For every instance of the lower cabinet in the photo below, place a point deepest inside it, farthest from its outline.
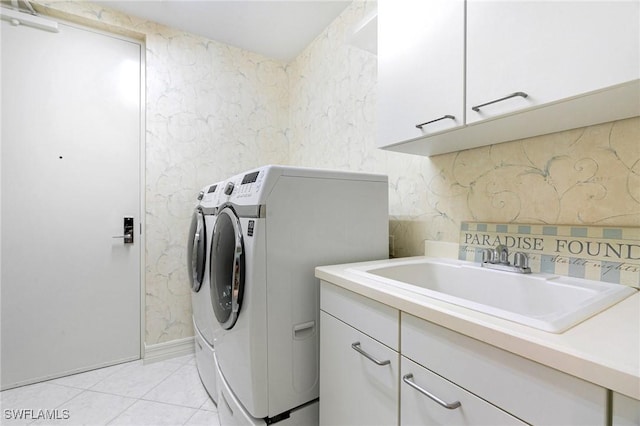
(532, 392)
(358, 377)
(428, 399)
(626, 411)
(380, 366)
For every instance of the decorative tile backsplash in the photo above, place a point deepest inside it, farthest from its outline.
(596, 253)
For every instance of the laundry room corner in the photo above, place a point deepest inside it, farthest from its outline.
(333, 124)
(320, 212)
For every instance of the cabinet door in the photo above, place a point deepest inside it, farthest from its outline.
(626, 411)
(353, 389)
(420, 410)
(550, 50)
(420, 68)
(517, 385)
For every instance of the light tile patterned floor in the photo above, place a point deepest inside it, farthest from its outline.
(163, 393)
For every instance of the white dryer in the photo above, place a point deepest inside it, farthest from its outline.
(204, 322)
(275, 224)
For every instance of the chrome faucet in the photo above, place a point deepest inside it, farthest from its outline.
(498, 258)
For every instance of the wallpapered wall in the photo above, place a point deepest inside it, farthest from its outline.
(214, 110)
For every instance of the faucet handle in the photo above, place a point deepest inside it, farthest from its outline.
(502, 254)
(520, 260)
(490, 255)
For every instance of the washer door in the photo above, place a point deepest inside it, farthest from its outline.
(196, 250)
(227, 268)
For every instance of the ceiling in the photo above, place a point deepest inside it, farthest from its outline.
(278, 29)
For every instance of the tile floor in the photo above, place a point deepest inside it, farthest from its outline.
(163, 393)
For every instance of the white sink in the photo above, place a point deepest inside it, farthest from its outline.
(547, 302)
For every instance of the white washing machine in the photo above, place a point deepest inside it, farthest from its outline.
(275, 224)
(204, 321)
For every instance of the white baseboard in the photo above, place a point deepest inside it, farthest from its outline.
(168, 350)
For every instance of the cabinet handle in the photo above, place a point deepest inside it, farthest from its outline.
(513, 95)
(444, 117)
(356, 347)
(452, 406)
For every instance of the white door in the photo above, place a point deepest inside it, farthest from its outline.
(71, 131)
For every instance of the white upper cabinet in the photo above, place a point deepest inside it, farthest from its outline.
(505, 70)
(548, 50)
(420, 68)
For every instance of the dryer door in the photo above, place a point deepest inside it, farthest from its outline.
(227, 268)
(196, 250)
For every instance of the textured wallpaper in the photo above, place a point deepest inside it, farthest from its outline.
(213, 110)
(587, 176)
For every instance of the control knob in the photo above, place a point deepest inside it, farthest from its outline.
(228, 189)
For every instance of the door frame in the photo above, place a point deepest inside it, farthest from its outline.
(143, 172)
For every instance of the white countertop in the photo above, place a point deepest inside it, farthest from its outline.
(604, 349)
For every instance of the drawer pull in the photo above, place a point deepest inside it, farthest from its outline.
(452, 406)
(513, 95)
(444, 117)
(356, 347)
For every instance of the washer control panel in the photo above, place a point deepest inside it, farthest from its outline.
(209, 195)
(245, 188)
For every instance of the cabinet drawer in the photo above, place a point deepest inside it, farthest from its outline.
(626, 411)
(354, 390)
(528, 390)
(371, 317)
(418, 409)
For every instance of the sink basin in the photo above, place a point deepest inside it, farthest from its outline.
(547, 302)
